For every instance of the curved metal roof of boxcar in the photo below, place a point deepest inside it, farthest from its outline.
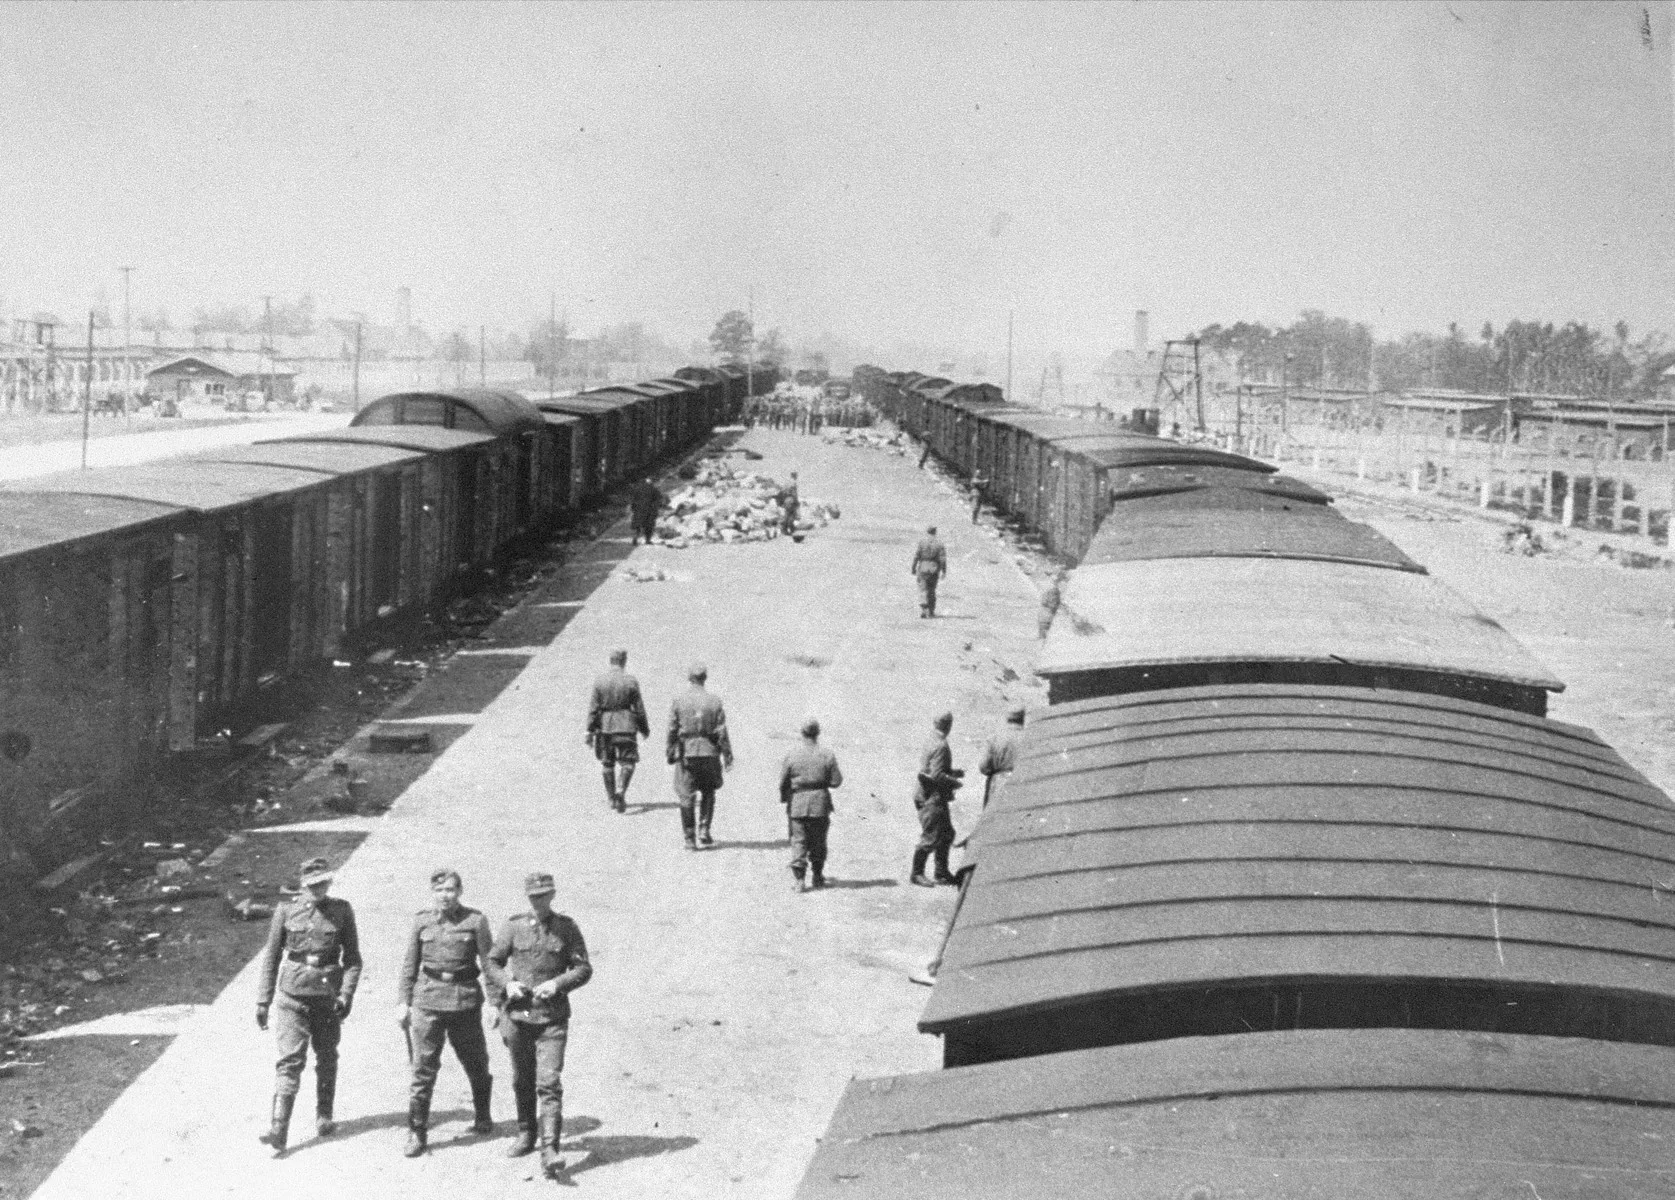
(1398, 1114)
(429, 439)
(605, 399)
(1128, 484)
(927, 385)
(1164, 527)
(32, 521)
(966, 395)
(701, 374)
(1204, 837)
(325, 458)
(196, 484)
(503, 412)
(1253, 610)
(1120, 448)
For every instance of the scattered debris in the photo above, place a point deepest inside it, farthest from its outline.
(639, 574)
(869, 439)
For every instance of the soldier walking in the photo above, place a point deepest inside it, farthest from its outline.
(930, 564)
(310, 967)
(806, 780)
(790, 501)
(645, 502)
(1001, 755)
(698, 748)
(440, 1000)
(932, 793)
(543, 959)
(1051, 597)
(616, 720)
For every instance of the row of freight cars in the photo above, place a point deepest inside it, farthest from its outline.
(142, 607)
(1295, 892)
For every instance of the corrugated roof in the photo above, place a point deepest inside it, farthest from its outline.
(1385, 1113)
(428, 438)
(1206, 837)
(203, 486)
(1163, 527)
(1255, 610)
(33, 521)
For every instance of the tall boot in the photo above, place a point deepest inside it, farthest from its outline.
(524, 1143)
(797, 879)
(418, 1123)
(481, 1090)
(706, 812)
(920, 854)
(325, 1089)
(279, 1127)
(686, 828)
(611, 797)
(942, 873)
(625, 773)
(552, 1127)
(817, 875)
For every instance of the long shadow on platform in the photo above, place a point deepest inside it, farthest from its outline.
(861, 883)
(373, 1122)
(603, 1151)
(781, 844)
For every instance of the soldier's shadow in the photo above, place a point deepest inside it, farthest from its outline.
(372, 1122)
(779, 844)
(601, 1151)
(861, 883)
(637, 809)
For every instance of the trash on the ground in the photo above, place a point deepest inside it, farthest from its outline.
(639, 574)
(173, 868)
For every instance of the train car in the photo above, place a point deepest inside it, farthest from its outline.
(1398, 1114)
(1208, 861)
(609, 440)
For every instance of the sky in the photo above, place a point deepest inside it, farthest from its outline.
(886, 173)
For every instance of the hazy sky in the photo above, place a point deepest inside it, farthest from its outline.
(874, 170)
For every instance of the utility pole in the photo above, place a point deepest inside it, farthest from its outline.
(750, 343)
(87, 391)
(482, 356)
(267, 352)
(1010, 313)
(552, 349)
(127, 345)
(356, 394)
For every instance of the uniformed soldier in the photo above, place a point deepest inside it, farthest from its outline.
(544, 959)
(979, 482)
(440, 1000)
(313, 961)
(1000, 755)
(645, 502)
(1050, 599)
(932, 793)
(806, 780)
(698, 748)
(930, 564)
(790, 500)
(616, 720)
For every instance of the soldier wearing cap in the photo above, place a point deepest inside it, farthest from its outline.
(932, 793)
(930, 564)
(806, 779)
(790, 500)
(440, 999)
(616, 720)
(543, 959)
(645, 501)
(698, 748)
(1001, 755)
(310, 967)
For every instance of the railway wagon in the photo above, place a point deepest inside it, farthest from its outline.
(1207, 861)
(606, 439)
(1243, 584)
(714, 387)
(1313, 1114)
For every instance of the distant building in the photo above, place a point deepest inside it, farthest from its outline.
(220, 378)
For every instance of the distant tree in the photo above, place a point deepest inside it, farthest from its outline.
(772, 348)
(222, 318)
(295, 319)
(153, 322)
(101, 309)
(730, 339)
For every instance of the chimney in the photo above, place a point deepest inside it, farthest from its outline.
(1140, 331)
(403, 309)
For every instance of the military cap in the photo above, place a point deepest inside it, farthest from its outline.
(442, 874)
(930, 529)
(1015, 714)
(619, 656)
(697, 671)
(811, 728)
(314, 870)
(945, 721)
(538, 883)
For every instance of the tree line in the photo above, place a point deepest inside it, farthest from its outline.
(1521, 356)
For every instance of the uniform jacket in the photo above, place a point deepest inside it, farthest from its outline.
(616, 707)
(447, 946)
(312, 950)
(930, 558)
(1001, 754)
(698, 727)
(806, 780)
(936, 780)
(645, 500)
(532, 952)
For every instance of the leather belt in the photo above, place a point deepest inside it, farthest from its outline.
(463, 975)
(311, 959)
(810, 787)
